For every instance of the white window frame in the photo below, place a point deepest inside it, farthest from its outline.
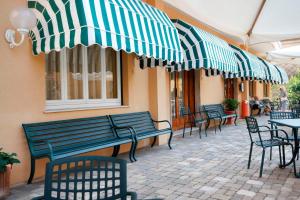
(66, 104)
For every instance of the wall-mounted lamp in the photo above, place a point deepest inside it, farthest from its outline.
(23, 20)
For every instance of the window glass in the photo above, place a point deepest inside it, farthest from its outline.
(53, 80)
(111, 73)
(74, 73)
(94, 72)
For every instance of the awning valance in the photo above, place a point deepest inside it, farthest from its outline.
(283, 75)
(249, 66)
(200, 50)
(132, 26)
(273, 75)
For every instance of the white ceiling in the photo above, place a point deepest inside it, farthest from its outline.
(279, 20)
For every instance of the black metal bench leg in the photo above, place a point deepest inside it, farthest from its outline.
(224, 121)
(170, 139)
(191, 128)
(220, 124)
(131, 152)
(250, 155)
(262, 163)
(215, 126)
(153, 143)
(116, 151)
(207, 125)
(134, 150)
(200, 127)
(32, 170)
(235, 120)
(205, 133)
(183, 130)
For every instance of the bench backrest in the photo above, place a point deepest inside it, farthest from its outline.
(140, 121)
(214, 107)
(67, 134)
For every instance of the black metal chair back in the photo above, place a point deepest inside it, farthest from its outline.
(86, 177)
(253, 128)
(296, 111)
(282, 115)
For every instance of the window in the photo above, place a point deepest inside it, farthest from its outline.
(82, 78)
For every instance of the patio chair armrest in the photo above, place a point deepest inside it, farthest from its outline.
(265, 127)
(163, 121)
(286, 136)
(132, 194)
(129, 128)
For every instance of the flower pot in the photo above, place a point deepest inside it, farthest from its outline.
(230, 120)
(5, 182)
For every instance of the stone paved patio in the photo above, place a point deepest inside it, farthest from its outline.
(213, 167)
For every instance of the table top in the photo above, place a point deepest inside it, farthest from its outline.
(293, 123)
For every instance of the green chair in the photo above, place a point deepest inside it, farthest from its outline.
(86, 177)
(269, 141)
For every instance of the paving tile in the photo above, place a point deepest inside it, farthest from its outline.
(246, 193)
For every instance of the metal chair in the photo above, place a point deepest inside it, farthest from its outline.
(192, 119)
(283, 115)
(86, 177)
(255, 133)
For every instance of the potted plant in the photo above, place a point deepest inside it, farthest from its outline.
(230, 108)
(6, 162)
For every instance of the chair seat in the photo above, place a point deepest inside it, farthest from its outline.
(271, 143)
(200, 121)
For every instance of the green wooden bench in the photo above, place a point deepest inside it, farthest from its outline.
(66, 138)
(143, 126)
(217, 112)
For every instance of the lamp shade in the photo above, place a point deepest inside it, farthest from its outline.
(23, 18)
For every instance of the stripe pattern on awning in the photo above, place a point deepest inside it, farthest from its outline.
(249, 66)
(283, 75)
(273, 75)
(132, 26)
(200, 50)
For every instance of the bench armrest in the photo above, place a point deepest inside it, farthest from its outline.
(132, 194)
(129, 128)
(50, 146)
(163, 121)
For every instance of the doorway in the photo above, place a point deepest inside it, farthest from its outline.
(182, 94)
(229, 88)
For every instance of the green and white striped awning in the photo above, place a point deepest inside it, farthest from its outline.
(249, 66)
(273, 75)
(283, 75)
(132, 26)
(200, 50)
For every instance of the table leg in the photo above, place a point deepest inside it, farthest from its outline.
(295, 152)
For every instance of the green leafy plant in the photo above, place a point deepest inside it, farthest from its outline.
(6, 159)
(231, 104)
(293, 89)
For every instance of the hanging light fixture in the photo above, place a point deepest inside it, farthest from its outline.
(23, 20)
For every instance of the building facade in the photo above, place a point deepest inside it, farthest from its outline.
(34, 88)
